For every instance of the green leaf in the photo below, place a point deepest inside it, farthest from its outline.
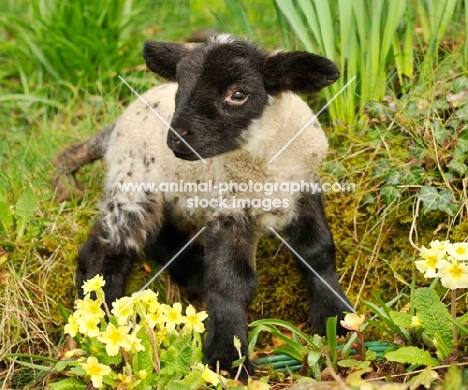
(435, 200)
(424, 379)
(457, 166)
(176, 359)
(173, 385)
(238, 362)
(348, 363)
(63, 312)
(433, 315)
(370, 355)
(463, 320)
(78, 371)
(288, 351)
(401, 319)
(453, 378)
(194, 380)
(63, 364)
(143, 360)
(331, 337)
(390, 193)
(443, 348)
(25, 207)
(68, 384)
(462, 142)
(287, 325)
(6, 217)
(411, 355)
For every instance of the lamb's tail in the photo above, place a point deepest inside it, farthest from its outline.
(75, 157)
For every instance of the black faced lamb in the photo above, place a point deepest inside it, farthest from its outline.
(231, 108)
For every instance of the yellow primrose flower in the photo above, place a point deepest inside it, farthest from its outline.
(142, 374)
(95, 370)
(72, 326)
(353, 321)
(134, 341)
(125, 379)
(114, 338)
(88, 325)
(74, 352)
(209, 376)
(161, 335)
(458, 251)
(441, 246)
(454, 275)
(433, 260)
(174, 316)
(90, 306)
(122, 309)
(148, 297)
(93, 284)
(415, 322)
(155, 318)
(194, 320)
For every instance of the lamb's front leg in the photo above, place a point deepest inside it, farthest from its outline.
(230, 284)
(117, 239)
(311, 238)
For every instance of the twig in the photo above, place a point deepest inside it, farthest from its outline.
(453, 310)
(413, 225)
(414, 372)
(157, 363)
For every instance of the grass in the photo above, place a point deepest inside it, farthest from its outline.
(52, 93)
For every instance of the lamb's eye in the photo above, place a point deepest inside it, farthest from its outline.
(239, 96)
(236, 98)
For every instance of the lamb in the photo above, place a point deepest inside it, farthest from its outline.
(232, 109)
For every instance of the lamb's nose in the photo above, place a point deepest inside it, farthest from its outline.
(175, 138)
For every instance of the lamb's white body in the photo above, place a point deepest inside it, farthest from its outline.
(138, 153)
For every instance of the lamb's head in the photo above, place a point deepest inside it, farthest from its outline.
(224, 84)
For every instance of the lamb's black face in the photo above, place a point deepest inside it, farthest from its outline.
(221, 90)
(224, 84)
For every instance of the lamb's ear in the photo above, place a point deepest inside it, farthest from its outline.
(298, 71)
(162, 57)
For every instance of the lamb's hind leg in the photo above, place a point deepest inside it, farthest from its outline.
(75, 157)
(311, 238)
(116, 241)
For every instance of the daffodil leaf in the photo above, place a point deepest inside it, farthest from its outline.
(68, 384)
(411, 355)
(433, 315)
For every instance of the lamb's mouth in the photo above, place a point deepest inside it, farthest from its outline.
(188, 156)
